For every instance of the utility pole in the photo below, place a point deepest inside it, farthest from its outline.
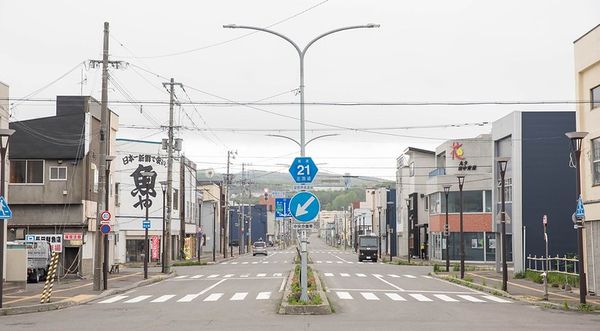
(242, 221)
(170, 146)
(230, 155)
(182, 169)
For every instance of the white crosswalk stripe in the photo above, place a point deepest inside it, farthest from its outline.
(213, 276)
(277, 274)
(361, 275)
(329, 262)
(395, 297)
(188, 298)
(265, 262)
(224, 262)
(344, 275)
(114, 299)
(228, 276)
(239, 296)
(428, 277)
(369, 296)
(234, 262)
(410, 276)
(197, 276)
(246, 262)
(319, 261)
(445, 298)
(471, 298)
(164, 298)
(328, 274)
(263, 296)
(245, 275)
(394, 276)
(261, 275)
(496, 299)
(340, 262)
(180, 277)
(420, 297)
(254, 262)
(138, 299)
(214, 297)
(344, 295)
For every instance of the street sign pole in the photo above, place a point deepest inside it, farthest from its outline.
(545, 223)
(304, 267)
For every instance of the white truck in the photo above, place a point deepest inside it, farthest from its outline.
(39, 254)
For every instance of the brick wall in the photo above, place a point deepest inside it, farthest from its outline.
(472, 222)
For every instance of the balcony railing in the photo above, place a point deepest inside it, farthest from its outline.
(437, 172)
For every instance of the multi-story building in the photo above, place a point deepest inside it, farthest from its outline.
(471, 157)
(587, 75)
(53, 180)
(210, 220)
(412, 202)
(538, 182)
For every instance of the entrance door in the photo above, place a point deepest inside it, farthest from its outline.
(71, 261)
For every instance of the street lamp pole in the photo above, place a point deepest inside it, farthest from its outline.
(447, 229)
(409, 227)
(3, 148)
(576, 140)
(147, 180)
(301, 54)
(502, 164)
(163, 186)
(379, 226)
(461, 182)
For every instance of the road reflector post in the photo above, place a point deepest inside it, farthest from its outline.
(47, 292)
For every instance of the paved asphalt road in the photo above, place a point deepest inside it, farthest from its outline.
(244, 294)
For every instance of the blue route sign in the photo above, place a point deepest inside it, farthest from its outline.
(305, 206)
(303, 170)
(579, 211)
(282, 207)
(5, 211)
(146, 224)
(105, 228)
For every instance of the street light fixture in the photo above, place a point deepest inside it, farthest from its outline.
(301, 54)
(447, 229)
(576, 141)
(503, 164)
(4, 137)
(163, 186)
(461, 182)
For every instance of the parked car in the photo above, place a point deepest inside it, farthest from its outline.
(259, 247)
(39, 254)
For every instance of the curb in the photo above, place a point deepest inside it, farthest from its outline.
(496, 292)
(69, 302)
(286, 309)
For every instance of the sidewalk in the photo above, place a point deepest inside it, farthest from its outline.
(71, 291)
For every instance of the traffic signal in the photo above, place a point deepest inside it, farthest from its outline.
(266, 194)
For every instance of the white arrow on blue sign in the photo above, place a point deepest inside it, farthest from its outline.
(305, 206)
(303, 170)
(580, 212)
(146, 224)
(5, 211)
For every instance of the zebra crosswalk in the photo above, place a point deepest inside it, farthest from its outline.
(343, 262)
(419, 297)
(219, 276)
(212, 297)
(361, 275)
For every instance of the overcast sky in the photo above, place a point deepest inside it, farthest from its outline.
(424, 51)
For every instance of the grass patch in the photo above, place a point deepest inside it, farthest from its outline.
(468, 279)
(555, 279)
(565, 305)
(313, 296)
(436, 268)
(188, 263)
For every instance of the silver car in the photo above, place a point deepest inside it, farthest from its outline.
(259, 247)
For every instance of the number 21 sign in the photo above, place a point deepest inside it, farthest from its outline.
(303, 170)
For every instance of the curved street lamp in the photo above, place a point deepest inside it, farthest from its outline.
(301, 54)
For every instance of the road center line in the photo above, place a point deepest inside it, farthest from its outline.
(390, 284)
(339, 258)
(282, 284)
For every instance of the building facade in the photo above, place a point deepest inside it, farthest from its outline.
(472, 158)
(587, 75)
(53, 182)
(538, 182)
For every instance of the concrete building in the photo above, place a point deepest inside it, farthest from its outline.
(538, 182)
(210, 220)
(587, 75)
(471, 157)
(133, 157)
(412, 201)
(54, 180)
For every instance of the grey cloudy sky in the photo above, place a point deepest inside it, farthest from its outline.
(425, 51)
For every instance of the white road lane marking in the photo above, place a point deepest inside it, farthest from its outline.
(369, 296)
(395, 297)
(410, 276)
(329, 262)
(340, 262)
(245, 262)
(114, 299)
(213, 276)
(138, 299)
(277, 274)
(245, 275)
(319, 261)
(163, 298)
(361, 275)
(239, 296)
(445, 298)
(496, 299)
(180, 277)
(197, 276)
(224, 262)
(254, 262)
(234, 262)
(261, 275)
(214, 297)
(228, 276)
(420, 297)
(263, 296)
(393, 276)
(190, 297)
(265, 262)
(282, 284)
(428, 277)
(345, 275)
(471, 298)
(328, 274)
(344, 295)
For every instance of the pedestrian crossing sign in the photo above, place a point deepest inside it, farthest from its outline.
(579, 211)
(5, 211)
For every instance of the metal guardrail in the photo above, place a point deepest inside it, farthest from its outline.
(558, 264)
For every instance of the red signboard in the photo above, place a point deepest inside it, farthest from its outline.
(73, 236)
(155, 247)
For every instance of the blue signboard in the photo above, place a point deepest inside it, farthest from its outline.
(580, 212)
(305, 206)
(105, 228)
(303, 170)
(5, 211)
(282, 207)
(146, 224)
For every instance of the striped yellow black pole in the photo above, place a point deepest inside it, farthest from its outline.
(47, 292)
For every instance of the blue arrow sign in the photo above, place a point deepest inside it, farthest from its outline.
(5, 211)
(303, 170)
(146, 224)
(305, 206)
(580, 212)
(282, 207)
